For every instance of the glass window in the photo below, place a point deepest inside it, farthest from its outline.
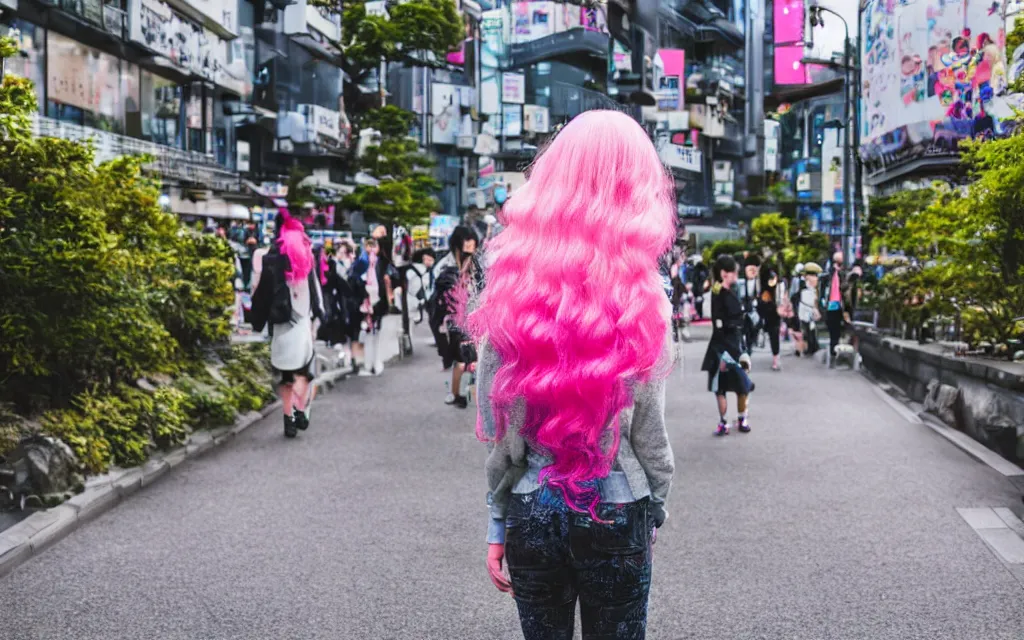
(194, 118)
(31, 63)
(161, 110)
(85, 85)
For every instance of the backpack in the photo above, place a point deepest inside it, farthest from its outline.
(272, 300)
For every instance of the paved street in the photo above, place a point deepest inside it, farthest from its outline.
(834, 519)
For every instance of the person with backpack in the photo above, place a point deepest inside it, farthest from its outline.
(460, 269)
(288, 298)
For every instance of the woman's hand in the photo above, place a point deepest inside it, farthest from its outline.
(495, 562)
(722, 366)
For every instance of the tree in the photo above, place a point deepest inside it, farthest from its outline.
(416, 33)
(405, 192)
(967, 245)
(770, 232)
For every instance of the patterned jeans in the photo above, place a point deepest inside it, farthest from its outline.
(556, 555)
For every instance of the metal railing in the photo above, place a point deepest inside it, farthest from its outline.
(175, 164)
(568, 101)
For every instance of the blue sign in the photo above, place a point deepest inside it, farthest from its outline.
(500, 194)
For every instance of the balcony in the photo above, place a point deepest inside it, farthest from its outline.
(190, 167)
(568, 101)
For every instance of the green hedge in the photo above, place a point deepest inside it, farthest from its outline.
(99, 287)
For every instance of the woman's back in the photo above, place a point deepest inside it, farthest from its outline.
(575, 349)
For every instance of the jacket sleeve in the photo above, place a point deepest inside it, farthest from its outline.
(316, 297)
(649, 438)
(501, 469)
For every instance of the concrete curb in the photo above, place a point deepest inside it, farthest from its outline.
(102, 493)
(915, 414)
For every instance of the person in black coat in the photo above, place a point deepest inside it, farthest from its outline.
(724, 361)
(768, 309)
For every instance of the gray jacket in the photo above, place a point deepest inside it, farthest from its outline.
(643, 467)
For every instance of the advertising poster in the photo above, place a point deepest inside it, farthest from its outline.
(536, 119)
(670, 79)
(832, 167)
(533, 20)
(933, 72)
(771, 145)
(513, 88)
(512, 119)
(444, 111)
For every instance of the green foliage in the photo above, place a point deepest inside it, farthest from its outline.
(416, 32)
(967, 244)
(97, 284)
(406, 191)
(724, 247)
(247, 369)
(770, 232)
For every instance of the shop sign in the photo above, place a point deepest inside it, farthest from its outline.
(243, 157)
(680, 157)
(321, 121)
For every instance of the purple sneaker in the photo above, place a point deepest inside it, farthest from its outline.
(743, 424)
(723, 428)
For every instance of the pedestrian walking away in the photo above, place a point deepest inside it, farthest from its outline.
(575, 351)
(768, 309)
(725, 361)
(288, 297)
(459, 278)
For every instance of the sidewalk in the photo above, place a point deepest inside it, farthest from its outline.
(835, 519)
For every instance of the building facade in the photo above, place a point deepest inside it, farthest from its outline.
(210, 89)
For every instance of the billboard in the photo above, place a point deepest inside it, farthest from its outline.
(444, 109)
(536, 119)
(513, 88)
(934, 72)
(670, 79)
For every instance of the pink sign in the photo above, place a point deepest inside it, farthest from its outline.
(788, 68)
(789, 21)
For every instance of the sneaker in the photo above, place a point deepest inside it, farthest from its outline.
(378, 368)
(776, 367)
(462, 402)
(449, 399)
(289, 427)
(743, 425)
(723, 428)
(301, 419)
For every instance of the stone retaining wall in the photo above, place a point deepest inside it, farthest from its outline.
(985, 399)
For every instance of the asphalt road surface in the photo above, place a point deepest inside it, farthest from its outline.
(835, 519)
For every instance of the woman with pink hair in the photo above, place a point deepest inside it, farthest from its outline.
(575, 347)
(288, 297)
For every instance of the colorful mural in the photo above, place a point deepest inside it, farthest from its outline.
(934, 72)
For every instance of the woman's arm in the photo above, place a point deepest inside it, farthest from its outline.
(649, 438)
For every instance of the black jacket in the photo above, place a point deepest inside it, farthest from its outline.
(727, 333)
(272, 302)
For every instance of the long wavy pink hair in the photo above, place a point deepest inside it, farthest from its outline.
(294, 243)
(573, 302)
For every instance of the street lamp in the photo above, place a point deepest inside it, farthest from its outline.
(817, 19)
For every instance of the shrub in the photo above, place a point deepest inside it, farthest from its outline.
(730, 247)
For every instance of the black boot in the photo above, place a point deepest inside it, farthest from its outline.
(289, 427)
(301, 420)
(461, 402)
